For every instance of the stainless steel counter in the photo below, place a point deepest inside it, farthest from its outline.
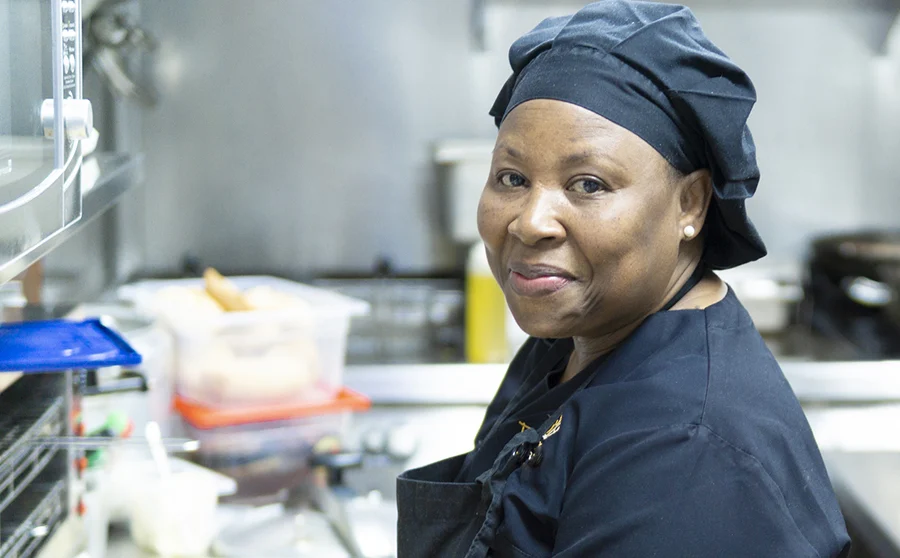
(441, 384)
(868, 488)
(438, 432)
(853, 408)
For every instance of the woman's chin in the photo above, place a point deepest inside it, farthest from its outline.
(543, 327)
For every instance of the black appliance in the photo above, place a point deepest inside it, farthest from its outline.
(852, 293)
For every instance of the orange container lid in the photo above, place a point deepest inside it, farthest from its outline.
(204, 418)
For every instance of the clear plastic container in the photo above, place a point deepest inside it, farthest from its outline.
(267, 449)
(260, 357)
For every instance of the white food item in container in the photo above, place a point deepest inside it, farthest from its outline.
(175, 515)
(223, 374)
(269, 353)
(128, 468)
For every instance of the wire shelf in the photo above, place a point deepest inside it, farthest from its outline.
(47, 505)
(21, 460)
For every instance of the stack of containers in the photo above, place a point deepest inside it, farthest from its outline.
(259, 389)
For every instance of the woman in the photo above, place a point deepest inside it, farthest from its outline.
(645, 416)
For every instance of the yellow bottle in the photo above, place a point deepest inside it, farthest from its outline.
(485, 312)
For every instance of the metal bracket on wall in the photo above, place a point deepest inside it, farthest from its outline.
(477, 24)
(887, 28)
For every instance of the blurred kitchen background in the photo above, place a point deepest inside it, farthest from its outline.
(344, 144)
(337, 140)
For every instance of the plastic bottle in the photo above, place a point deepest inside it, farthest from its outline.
(485, 312)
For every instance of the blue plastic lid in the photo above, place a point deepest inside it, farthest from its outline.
(54, 345)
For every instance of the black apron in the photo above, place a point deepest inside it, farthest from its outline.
(438, 517)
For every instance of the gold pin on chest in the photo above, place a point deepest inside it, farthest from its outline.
(554, 428)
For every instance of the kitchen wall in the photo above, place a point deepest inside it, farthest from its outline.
(294, 136)
(826, 140)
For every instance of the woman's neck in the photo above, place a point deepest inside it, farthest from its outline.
(707, 292)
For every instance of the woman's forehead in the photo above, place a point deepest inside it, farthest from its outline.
(567, 134)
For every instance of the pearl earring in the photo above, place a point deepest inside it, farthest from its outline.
(689, 232)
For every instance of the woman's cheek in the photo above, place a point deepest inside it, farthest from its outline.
(492, 227)
(489, 220)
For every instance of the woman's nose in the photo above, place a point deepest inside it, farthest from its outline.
(538, 219)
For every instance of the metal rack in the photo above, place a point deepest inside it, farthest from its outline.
(34, 476)
(21, 460)
(47, 506)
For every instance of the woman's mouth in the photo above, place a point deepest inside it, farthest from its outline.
(537, 280)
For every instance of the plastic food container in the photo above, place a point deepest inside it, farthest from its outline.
(267, 449)
(261, 357)
(176, 515)
(129, 468)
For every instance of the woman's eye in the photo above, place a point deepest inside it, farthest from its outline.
(588, 186)
(512, 180)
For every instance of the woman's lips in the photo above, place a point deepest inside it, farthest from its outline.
(537, 281)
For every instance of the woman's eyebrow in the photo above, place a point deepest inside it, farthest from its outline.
(591, 156)
(576, 158)
(502, 147)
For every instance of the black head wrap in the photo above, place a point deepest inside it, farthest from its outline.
(649, 68)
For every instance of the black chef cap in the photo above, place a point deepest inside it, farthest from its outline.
(649, 68)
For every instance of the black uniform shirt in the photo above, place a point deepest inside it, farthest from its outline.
(686, 441)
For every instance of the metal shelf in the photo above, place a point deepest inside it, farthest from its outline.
(115, 174)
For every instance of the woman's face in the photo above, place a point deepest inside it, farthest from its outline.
(583, 221)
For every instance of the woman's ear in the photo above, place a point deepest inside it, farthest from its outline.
(696, 191)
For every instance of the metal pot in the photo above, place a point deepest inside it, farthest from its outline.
(867, 266)
(852, 290)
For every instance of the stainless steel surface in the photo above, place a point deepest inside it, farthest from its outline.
(41, 67)
(869, 493)
(30, 221)
(276, 531)
(254, 533)
(322, 168)
(333, 509)
(430, 384)
(411, 320)
(308, 126)
(444, 424)
(443, 384)
(175, 445)
(844, 381)
(117, 173)
(441, 431)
